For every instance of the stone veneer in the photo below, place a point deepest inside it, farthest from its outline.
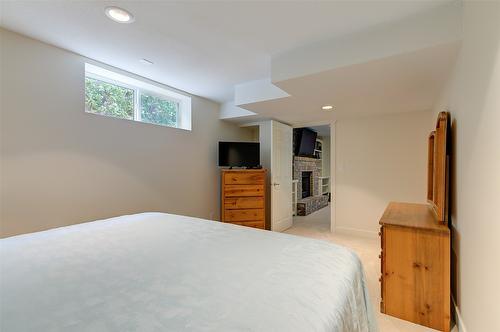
(310, 204)
(315, 202)
(306, 164)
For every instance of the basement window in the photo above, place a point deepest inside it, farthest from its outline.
(125, 97)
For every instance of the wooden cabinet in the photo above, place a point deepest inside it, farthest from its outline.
(244, 197)
(415, 265)
(416, 244)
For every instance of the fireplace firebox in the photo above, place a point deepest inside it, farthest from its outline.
(306, 184)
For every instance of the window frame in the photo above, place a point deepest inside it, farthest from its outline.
(141, 86)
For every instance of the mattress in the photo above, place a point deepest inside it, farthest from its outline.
(163, 272)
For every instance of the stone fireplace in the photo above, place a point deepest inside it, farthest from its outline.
(307, 172)
(310, 166)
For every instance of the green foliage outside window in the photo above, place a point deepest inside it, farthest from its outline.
(109, 99)
(159, 111)
(113, 100)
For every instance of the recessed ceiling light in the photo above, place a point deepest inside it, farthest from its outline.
(119, 15)
(327, 107)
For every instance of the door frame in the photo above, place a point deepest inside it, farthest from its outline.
(333, 177)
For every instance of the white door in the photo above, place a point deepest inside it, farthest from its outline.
(281, 177)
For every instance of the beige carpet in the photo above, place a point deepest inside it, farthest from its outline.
(317, 225)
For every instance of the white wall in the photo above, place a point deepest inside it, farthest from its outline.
(62, 166)
(378, 160)
(256, 91)
(473, 99)
(228, 111)
(254, 132)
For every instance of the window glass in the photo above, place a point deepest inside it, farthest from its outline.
(159, 110)
(108, 99)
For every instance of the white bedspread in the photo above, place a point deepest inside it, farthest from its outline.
(162, 272)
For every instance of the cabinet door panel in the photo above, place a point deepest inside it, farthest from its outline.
(415, 287)
(431, 284)
(399, 275)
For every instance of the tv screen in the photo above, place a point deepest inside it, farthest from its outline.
(239, 154)
(306, 142)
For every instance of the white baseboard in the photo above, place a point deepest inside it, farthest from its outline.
(458, 317)
(356, 232)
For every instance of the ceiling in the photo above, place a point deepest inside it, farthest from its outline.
(201, 47)
(402, 83)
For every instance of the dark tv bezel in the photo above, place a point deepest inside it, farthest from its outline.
(300, 136)
(237, 166)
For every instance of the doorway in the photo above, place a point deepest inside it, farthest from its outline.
(311, 178)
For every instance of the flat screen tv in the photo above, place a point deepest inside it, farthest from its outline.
(239, 154)
(305, 142)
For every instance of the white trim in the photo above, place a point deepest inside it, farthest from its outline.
(294, 197)
(458, 318)
(314, 124)
(252, 124)
(356, 232)
(139, 86)
(90, 68)
(137, 105)
(109, 80)
(333, 179)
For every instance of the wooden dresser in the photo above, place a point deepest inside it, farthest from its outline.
(415, 265)
(244, 197)
(415, 241)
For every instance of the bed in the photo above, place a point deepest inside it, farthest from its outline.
(163, 272)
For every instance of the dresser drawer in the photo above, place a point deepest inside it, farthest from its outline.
(236, 190)
(244, 178)
(244, 215)
(254, 224)
(243, 197)
(244, 203)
